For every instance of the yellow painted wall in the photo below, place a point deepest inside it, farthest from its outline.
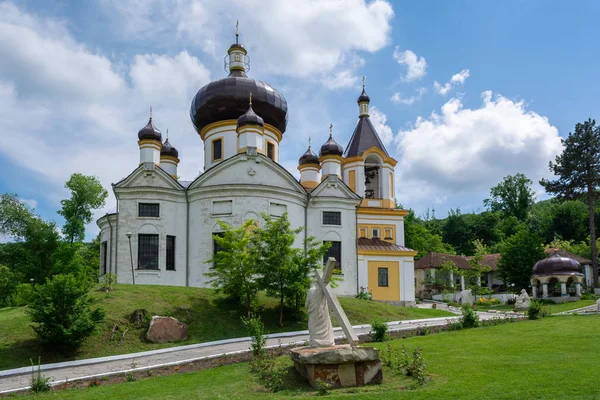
(382, 231)
(352, 180)
(390, 293)
(392, 194)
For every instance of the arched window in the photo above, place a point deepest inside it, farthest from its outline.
(372, 177)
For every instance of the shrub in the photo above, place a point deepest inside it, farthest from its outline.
(469, 318)
(416, 367)
(39, 383)
(511, 300)
(537, 310)
(23, 294)
(107, 281)
(269, 372)
(322, 388)
(403, 362)
(378, 330)
(587, 296)
(365, 294)
(62, 310)
(256, 329)
(487, 301)
(8, 285)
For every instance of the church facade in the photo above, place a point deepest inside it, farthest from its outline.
(164, 227)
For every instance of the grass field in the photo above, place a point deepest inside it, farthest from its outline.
(552, 358)
(209, 315)
(553, 308)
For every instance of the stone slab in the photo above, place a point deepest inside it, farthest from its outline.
(339, 354)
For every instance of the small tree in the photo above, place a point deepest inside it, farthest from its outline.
(513, 196)
(8, 285)
(87, 195)
(578, 171)
(519, 253)
(63, 313)
(234, 271)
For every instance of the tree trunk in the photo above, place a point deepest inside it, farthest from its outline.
(590, 199)
(281, 309)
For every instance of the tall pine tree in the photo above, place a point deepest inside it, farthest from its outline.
(578, 172)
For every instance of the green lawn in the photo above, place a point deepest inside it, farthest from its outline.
(210, 317)
(552, 358)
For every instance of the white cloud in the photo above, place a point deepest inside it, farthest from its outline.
(379, 120)
(416, 67)
(398, 99)
(463, 150)
(288, 37)
(457, 79)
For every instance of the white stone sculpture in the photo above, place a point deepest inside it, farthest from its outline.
(522, 302)
(319, 299)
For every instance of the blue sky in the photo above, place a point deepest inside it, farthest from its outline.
(462, 92)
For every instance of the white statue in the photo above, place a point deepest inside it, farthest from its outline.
(318, 300)
(319, 323)
(522, 302)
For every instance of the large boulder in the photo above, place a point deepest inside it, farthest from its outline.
(466, 297)
(166, 329)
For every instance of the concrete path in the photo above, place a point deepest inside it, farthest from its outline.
(19, 379)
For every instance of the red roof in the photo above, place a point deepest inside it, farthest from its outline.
(378, 244)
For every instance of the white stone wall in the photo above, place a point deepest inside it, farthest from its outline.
(346, 233)
(229, 135)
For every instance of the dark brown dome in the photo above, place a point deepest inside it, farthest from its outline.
(309, 158)
(169, 150)
(363, 97)
(227, 98)
(149, 132)
(556, 265)
(331, 147)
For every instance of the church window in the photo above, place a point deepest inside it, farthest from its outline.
(149, 210)
(335, 251)
(271, 151)
(103, 255)
(147, 251)
(217, 149)
(170, 253)
(375, 232)
(332, 218)
(216, 247)
(382, 277)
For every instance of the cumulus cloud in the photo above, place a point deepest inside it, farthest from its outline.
(457, 79)
(397, 97)
(296, 38)
(461, 150)
(416, 67)
(379, 120)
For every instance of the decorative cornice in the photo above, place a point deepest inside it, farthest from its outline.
(381, 211)
(404, 253)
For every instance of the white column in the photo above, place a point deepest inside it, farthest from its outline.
(490, 279)
(577, 289)
(451, 279)
(534, 292)
(563, 289)
(462, 282)
(544, 290)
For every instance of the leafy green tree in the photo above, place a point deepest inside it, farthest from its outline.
(235, 269)
(61, 309)
(519, 254)
(458, 233)
(578, 172)
(38, 238)
(419, 238)
(284, 271)
(87, 195)
(8, 285)
(513, 196)
(570, 220)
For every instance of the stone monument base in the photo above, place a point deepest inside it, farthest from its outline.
(338, 366)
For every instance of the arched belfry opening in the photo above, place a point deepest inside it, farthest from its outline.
(372, 177)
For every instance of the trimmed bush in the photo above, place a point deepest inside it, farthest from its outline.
(537, 310)
(62, 310)
(378, 330)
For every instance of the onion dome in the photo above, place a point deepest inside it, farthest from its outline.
(149, 132)
(331, 147)
(557, 265)
(364, 97)
(169, 150)
(227, 98)
(250, 117)
(309, 158)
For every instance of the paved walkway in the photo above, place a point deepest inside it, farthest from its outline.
(19, 379)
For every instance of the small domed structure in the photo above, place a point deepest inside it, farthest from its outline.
(309, 158)
(169, 150)
(149, 132)
(364, 97)
(331, 148)
(557, 276)
(250, 117)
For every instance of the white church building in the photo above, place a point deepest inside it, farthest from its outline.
(162, 232)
